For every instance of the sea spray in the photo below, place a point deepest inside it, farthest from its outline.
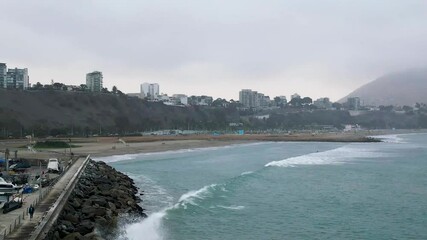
(148, 229)
(151, 227)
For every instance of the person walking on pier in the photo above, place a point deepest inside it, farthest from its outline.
(31, 211)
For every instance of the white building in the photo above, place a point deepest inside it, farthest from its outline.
(180, 99)
(94, 81)
(17, 78)
(150, 90)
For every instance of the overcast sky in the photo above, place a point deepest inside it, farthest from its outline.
(315, 48)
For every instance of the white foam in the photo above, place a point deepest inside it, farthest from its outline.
(189, 197)
(389, 138)
(116, 158)
(232, 207)
(155, 196)
(334, 156)
(246, 173)
(151, 227)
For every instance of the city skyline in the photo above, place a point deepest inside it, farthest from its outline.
(217, 48)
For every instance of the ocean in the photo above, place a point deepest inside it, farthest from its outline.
(283, 190)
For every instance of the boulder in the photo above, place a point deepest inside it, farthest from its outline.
(73, 236)
(85, 227)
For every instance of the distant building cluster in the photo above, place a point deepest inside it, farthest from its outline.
(151, 92)
(14, 78)
(323, 103)
(253, 99)
(17, 78)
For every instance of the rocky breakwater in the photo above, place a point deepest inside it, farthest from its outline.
(102, 199)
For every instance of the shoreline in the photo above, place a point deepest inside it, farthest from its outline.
(110, 146)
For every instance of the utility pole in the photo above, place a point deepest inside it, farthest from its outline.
(40, 180)
(6, 158)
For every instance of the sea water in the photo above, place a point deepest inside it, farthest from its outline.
(283, 190)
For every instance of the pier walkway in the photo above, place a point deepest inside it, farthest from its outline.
(48, 205)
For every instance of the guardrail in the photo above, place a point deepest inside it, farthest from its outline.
(52, 215)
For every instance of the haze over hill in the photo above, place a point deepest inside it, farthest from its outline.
(401, 88)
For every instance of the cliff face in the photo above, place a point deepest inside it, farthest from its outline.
(402, 88)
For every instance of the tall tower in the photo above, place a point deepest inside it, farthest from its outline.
(3, 74)
(94, 81)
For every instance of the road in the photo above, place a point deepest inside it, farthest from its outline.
(27, 226)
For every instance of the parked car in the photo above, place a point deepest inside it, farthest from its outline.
(53, 166)
(20, 166)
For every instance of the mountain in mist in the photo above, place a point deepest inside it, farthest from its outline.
(401, 88)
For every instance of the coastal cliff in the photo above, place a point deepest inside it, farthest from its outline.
(101, 197)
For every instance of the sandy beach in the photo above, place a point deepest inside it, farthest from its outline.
(105, 146)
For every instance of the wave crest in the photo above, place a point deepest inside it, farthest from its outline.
(334, 156)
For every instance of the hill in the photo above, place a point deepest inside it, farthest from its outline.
(63, 113)
(402, 88)
(49, 112)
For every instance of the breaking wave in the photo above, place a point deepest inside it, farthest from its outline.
(389, 138)
(152, 226)
(335, 156)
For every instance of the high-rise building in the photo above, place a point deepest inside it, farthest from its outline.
(94, 81)
(353, 103)
(17, 78)
(3, 74)
(253, 99)
(323, 103)
(150, 90)
(247, 98)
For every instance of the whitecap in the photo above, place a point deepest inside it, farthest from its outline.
(334, 156)
(389, 138)
(151, 227)
(232, 207)
(246, 173)
(191, 196)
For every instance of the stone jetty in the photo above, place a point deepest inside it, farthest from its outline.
(101, 199)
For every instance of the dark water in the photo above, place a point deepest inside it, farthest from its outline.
(284, 191)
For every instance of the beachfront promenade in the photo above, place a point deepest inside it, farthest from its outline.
(48, 205)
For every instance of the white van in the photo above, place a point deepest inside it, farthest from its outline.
(53, 165)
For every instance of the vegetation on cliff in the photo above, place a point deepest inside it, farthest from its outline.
(53, 113)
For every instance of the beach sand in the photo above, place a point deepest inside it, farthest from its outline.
(107, 146)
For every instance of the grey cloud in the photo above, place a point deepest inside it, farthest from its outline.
(244, 43)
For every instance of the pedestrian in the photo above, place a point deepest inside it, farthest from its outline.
(31, 211)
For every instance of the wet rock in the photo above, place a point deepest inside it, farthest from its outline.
(74, 236)
(85, 227)
(101, 195)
